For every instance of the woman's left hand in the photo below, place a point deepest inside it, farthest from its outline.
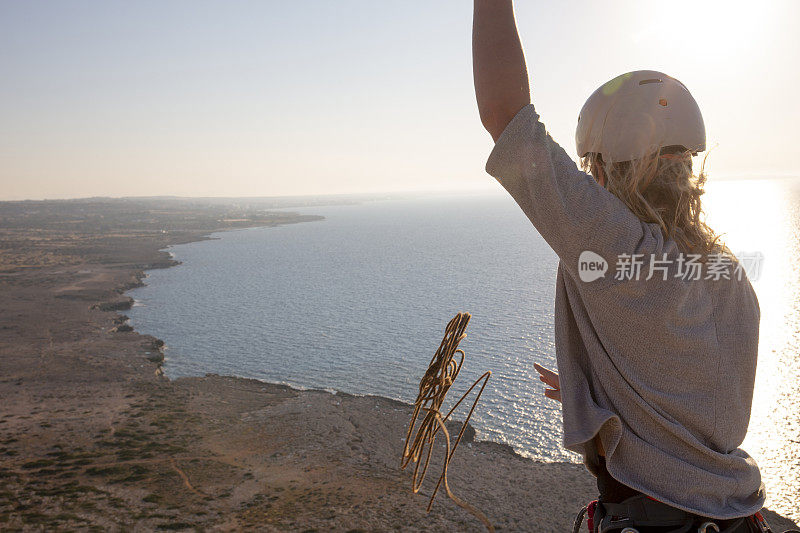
(549, 378)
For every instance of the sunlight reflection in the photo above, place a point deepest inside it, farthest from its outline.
(761, 215)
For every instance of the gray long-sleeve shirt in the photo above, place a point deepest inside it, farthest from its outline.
(662, 369)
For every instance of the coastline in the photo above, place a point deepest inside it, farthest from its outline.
(93, 434)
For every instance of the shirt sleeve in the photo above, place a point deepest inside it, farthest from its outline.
(571, 211)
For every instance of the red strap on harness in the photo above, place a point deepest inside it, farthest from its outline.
(590, 515)
(760, 522)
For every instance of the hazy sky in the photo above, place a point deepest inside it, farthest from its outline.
(309, 97)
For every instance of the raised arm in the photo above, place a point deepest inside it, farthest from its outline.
(498, 65)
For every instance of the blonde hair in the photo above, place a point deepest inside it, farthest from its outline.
(661, 188)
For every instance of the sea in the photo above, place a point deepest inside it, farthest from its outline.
(358, 303)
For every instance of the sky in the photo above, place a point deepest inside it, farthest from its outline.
(246, 98)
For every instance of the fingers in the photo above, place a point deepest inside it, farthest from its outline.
(548, 377)
(543, 371)
(549, 382)
(553, 394)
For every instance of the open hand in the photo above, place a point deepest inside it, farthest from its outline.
(549, 378)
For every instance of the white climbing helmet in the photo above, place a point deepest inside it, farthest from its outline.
(637, 113)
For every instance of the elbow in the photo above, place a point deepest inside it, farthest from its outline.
(495, 117)
(490, 118)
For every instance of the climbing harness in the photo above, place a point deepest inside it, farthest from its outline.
(442, 372)
(638, 513)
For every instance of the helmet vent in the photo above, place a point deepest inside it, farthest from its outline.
(652, 80)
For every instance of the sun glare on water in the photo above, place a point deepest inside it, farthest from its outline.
(763, 216)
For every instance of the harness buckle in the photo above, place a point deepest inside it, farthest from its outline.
(705, 525)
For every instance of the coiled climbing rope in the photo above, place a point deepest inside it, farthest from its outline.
(442, 372)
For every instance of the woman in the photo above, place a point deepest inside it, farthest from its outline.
(656, 361)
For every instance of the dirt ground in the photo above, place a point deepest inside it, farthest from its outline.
(93, 437)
